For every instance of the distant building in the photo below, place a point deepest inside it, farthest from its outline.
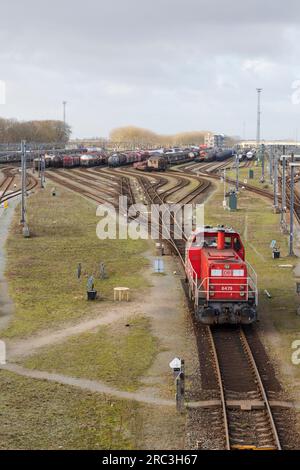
(269, 143)
(214, 140)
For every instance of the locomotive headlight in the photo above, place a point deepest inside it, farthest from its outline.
(242, 294)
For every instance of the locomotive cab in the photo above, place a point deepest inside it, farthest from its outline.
(222, 284)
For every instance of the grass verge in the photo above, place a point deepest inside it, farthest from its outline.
(42, 270)
(35, 414)
(116, 354)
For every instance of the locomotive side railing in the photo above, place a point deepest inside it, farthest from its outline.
(192, 279)
(252, 280)
(225, 287)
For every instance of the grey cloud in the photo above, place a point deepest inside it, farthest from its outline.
(166, 65)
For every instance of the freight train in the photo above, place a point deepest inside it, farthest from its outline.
(222, 285)
(126, 158)
(72, 160)
(160, 162)
(214, 154)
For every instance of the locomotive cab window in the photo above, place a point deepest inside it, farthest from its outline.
(227, 242)
(210, 242)
(237, 244)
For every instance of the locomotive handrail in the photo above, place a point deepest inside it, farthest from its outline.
(209, 290)
(253, 275)
(250, 282)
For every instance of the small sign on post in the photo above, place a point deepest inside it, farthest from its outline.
(158, 266)
(79, 271)
(175, 364)
(102, 271)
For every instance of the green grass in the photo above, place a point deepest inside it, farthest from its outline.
(117, 354)
(42, 270)
(258, 225)
(35, 414)
(244, 175)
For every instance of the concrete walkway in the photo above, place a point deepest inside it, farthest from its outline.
(6, 305)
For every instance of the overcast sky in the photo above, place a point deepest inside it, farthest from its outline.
(167, 65)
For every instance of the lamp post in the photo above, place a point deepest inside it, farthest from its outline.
(275, 160)
(292, 199)
(284, 159)
(23, 180)
(237, 164)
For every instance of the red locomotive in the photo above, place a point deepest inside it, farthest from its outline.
(222, 285)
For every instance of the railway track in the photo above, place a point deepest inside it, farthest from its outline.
(6, 184)
(247, 415)
(86, 188)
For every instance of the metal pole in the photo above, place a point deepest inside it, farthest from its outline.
(64, 113)
(23, 180)
(224, 200)
(262, 153)
(237, 163)
(259, 90)
(272, 158)
(275, 181)
(291, 250)
(283, 191)
(43, 163)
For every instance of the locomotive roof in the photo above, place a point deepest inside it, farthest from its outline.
(222, 255)
(209, 229)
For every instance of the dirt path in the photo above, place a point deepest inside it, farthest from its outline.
(28, 346)
(90, 385)
(6, 305)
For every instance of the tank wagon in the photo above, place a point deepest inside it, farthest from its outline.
(222, 285)
(119, 159)
(223, 154)
(57, 161)
(214, 154)
(88, 160)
